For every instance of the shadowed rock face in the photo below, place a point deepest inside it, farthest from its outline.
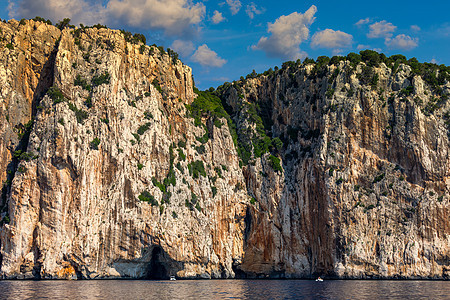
(114, 179)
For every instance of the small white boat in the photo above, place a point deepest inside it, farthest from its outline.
(319, 279)
(172, 278)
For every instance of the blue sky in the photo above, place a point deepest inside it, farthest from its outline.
(223, 40)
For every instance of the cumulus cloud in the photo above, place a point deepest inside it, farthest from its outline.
(331, 39)
(79, 11)
(217, 17)
(253, 10)
(207, 57)
(415, 28)
(287, 33)
(184, 48)
(362, 22)
(403, 42)
(381, 29)
(235, 6)
(174, 17)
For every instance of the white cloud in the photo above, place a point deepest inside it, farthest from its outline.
(362, 22)
(381, 29)
(217, 17)
(207, 57)
(174, 17)
(403, 42)
(434, 61)
(253, 10)
(287, 33)
(235, 6)
(331, 39)
(362, 47)
(415, 28)
(184, 48)
(79, 11)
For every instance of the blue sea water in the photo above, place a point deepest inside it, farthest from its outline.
(225, 289)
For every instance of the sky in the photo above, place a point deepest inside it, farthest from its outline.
(223, 40)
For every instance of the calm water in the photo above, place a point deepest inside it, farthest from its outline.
(225, 289)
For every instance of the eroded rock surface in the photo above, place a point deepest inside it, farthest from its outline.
(107, 175)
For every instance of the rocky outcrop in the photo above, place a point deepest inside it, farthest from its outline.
(112, 169)
(113, 132)
(365, 181)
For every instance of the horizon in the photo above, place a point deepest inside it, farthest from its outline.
(222, 41)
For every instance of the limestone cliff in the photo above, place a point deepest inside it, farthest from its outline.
(114, 167)
(364, 184)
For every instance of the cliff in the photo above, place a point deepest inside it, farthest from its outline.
(114, 166)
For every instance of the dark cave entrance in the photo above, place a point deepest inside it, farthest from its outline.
(158, 266)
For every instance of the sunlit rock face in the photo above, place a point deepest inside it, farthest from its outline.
(107, 175)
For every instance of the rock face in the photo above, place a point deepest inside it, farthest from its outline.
(107, 175)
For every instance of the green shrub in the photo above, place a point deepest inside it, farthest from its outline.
(330, 92)
(158, 184)
(188, 204)
(65, 23)
(181, 155)
(145, 196)
(26, 156)
(86, 57)
(5, 220)
(378, 178)
(39, 19)
(331, 171)
(155, 83)
(101, 79)
(140, 166)
(22, 169)
(277, 143)
(275, 163)
(217, 123)
(218, 172)
(204, 138)
(406, 91)
(143, 128)
(173, 55)
(370, 57)
(94, 143)
(214, 191)
(10, 46)
(197, 168)
(81, 115)
(200, 149)
(253, 201)
(56, 95)
(148, 115)
(194, 198)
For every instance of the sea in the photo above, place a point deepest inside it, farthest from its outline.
(225, 289)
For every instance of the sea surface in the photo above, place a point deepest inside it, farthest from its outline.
(225, 289)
